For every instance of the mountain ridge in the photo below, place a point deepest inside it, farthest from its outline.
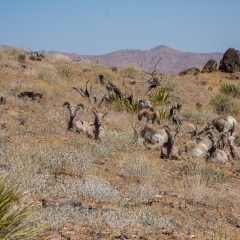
(172, 60)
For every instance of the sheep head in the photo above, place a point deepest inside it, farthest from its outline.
(73, 108)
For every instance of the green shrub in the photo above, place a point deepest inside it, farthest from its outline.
(130, 72)
(225, 88)
(159, 96)
(14, 224)
(225, 104)
(163, 112)
(66, 72)
(122, 103)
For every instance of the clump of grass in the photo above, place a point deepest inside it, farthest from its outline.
(143, 194)
(154, 219)
(237, 166)
(123, 103)
(118, 219)
(60, 57)
(99, 190)
(137, 169)
(109, 76)
(159, 96)
(226, 88)
(197, 116)
(46, 77)
(66, 72)
(130, 72)
(14, 224)
(15, 52)
(163, 112)
(212, 176)
(224, 104)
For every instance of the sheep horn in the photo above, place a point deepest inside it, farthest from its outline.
(66, 104)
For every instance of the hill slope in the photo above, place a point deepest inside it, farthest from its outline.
(172, 61)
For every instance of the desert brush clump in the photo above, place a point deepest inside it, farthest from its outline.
(15, 222)
(123, 103)
(159, 96)
(223, 103)
(66, 72)
(130, 72)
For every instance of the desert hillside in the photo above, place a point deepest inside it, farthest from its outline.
(115, 187)
(172, 60)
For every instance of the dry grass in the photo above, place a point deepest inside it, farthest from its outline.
(115, 180)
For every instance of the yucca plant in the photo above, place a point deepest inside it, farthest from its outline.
(13, 223)
(163, 113)
(159, 96)
(124, 103)
(226, 88)
(66, 72)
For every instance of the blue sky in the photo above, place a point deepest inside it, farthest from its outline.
(95, 27)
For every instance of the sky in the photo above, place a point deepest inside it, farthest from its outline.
(96, 27)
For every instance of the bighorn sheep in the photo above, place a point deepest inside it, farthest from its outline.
(169, 149)
(217, 156)
(151, 116)
(145, 104)
(199, 146)
(225, 124)
(96, 130)
(154, 136)
(75, 123)
(176, 119)
(234, 150)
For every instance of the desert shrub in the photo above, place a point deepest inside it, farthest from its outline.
(21, 58)
(119, 141)
(237, 166)
(151, 218)
(15, 52)
(99, 190)
(46, 77)
(159, 96)
(66, 72)
(108, 75)
(143, 194)
(60, 57)
(14, 224)
(118, 219)
(122, 103)
(114, 69)
(225, 104)
(137, 169)
(197, 116)
(211, 176)
(226, 88)
(163, 112)
(130, 72)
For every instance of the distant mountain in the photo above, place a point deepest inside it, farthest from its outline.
(172, 61)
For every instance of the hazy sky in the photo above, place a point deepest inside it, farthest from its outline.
(94, 27)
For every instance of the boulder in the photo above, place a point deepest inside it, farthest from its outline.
(192, 70)
(230, 61)
(210, 66)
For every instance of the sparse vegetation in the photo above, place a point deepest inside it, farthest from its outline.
(223, 103)
(112, 188)
(130, 72)
(159, 96)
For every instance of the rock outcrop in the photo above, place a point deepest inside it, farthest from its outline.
(210, 66)
(230, 61)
